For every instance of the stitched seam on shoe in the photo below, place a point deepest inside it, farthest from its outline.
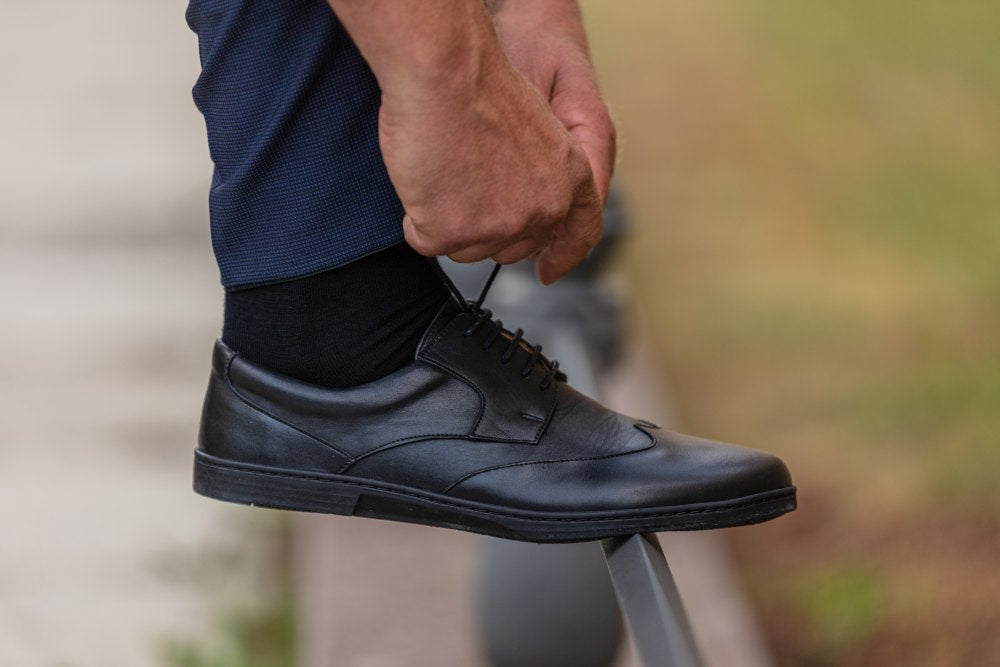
(462, 378)
(482, 409)
(352, 459)
(607, 517)
(407, 441)
(541, 426)
(420, 345)
(430, 436)
(530, 463)
(246, 401)
(439, 335)
(544, 424)
(482, 401)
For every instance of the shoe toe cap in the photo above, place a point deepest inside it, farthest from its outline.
(676, 471)
(708, 471)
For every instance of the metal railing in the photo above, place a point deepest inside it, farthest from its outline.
(649, 599)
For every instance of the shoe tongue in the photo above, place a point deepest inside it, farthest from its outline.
(451, 309)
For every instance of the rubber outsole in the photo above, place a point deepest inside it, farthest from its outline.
(276, 488)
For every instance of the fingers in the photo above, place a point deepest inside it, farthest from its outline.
(501, 254)
(517, 252)
(572, 241)
(447, 243)
(476, 253)
(579, 232)
(502, 251)
(587, 120)
(417, 239)
(559, 247)
(576, 102)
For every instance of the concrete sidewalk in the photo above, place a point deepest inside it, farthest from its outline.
(110, 302)
(106, 552)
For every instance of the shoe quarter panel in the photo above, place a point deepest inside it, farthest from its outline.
(419, 401)
(435, 464)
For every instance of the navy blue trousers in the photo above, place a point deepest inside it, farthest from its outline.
(291, 110)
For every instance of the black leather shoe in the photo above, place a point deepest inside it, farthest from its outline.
(479, 433)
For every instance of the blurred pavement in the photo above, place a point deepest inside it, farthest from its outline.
(109, 304)
(106, 552)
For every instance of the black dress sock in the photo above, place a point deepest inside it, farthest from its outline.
(340, 328)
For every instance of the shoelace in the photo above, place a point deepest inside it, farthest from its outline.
(484, 317)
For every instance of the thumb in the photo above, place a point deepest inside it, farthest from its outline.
(598, 146)
(577, 104)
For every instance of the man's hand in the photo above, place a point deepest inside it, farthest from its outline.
(482, 165)
(488, 172)
(545, 40)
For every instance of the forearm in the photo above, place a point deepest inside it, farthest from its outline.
(546, 41)
(542, 38)
(558, 19)
(413, 46)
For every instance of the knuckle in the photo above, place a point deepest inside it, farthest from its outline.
(452, 245)
(505, 228)
(555, 207)
(453, 227)
(515, 225)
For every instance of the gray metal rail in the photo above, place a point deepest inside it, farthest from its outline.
(650, 602)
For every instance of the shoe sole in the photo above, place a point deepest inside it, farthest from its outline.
(276, 488)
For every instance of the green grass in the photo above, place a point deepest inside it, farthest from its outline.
(845, 605)
(259, 636)
(816, 189)
(255, 625)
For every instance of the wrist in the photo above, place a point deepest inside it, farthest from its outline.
(449, 61)
(558, 23)
(435, 47)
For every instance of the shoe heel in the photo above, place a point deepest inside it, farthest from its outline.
(221, 480)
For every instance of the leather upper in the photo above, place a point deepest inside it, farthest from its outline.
(464, 420)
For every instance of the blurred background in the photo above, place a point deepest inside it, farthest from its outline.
(815, 195)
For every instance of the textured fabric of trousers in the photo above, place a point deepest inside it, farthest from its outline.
(291, 110)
